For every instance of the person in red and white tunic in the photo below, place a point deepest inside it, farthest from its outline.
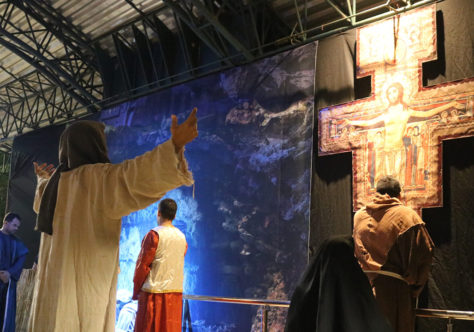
(159, 273)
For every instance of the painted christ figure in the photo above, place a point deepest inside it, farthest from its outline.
(395, 119)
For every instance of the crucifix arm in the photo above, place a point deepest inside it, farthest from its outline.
(364, 123)
(436, 110)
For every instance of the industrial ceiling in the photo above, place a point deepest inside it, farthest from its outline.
(63, 59)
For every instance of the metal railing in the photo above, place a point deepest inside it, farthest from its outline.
(450, 315)
(263, 304)
(266, 304)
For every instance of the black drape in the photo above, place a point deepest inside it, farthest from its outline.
(40, 146)
(451, 284)
(331, 179)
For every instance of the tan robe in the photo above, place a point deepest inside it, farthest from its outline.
(392, 237)
(78, 265)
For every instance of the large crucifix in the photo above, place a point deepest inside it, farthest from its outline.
(399, 129)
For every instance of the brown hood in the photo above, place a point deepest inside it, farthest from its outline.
(381, 203)
(81, 143)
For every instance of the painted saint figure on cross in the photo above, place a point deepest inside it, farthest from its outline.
(399, 129)
(395, 119)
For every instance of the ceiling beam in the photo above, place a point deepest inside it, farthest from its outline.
(16, 45)
(188, 18)
(63, 30)
(222, 30)
(339, 10)
(65, 76)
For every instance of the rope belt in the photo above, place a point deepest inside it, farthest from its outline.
(387, 273)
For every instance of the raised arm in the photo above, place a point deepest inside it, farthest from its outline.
(364, 123)
(43, 173)
(134, 184)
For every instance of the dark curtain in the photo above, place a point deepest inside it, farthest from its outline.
(451, 285)
(40, 146)
(331, 179)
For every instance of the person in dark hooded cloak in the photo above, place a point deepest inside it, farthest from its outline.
(334, 294)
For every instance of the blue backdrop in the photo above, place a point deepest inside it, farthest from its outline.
(247, 224)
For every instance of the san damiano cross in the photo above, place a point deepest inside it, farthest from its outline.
(399, 129)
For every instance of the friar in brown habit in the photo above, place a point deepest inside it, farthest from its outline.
(392, 244)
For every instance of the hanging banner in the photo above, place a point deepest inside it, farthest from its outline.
(247, 223)
(399, 129)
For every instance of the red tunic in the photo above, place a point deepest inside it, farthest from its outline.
(160, 312)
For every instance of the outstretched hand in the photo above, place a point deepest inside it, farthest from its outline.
(44, 170)
(184, 133)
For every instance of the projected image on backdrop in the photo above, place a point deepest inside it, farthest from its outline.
(247, 224)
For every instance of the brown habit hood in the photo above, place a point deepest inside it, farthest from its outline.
(81, 143)
(377, 226)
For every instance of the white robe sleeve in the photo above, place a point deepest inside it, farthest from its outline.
(134, 184)
(40, 186)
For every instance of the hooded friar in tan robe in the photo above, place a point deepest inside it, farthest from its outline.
(80, 209)
(389, 236)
